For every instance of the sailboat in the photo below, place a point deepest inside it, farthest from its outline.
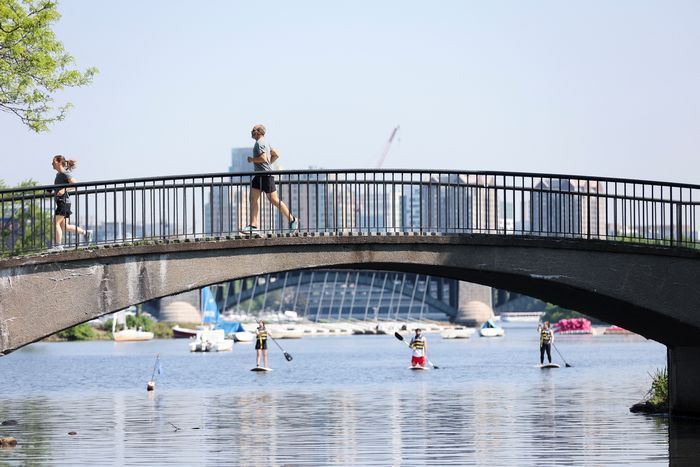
(127, 334)
(491, 329)
(207, 339)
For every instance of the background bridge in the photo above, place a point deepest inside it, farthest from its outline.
(621, 250)
(342, 294)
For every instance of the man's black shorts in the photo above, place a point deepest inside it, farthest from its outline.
(63, 208)
(264, 183)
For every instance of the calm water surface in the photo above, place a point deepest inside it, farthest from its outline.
(341, 401)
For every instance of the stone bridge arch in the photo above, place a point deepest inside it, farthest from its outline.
(646, 289)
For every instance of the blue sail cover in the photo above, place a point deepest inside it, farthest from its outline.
(229, 327)
(210, 311)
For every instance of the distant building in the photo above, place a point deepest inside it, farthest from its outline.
(228, 208)
(239, 160)
(452, 203)
(556, 208)
(593, 208)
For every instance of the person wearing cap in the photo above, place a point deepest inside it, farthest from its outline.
(419, 344)
(261, 344)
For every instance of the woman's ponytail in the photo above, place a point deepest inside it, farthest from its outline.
(67, 164)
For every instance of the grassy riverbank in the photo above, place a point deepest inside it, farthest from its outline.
(103, 331)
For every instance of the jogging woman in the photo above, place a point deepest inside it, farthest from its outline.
(63, 167)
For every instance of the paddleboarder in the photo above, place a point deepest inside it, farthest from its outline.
(546, 341)
(261, 344)
(419, 345)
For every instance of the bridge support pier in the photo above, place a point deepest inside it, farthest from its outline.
(684, 380)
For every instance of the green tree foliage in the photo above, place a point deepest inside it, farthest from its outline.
(553, 313)
(25, 219)
(80, 332)
(141, 322)
(33, 63)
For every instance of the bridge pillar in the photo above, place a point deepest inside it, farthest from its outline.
(684, 380)
(474, 304)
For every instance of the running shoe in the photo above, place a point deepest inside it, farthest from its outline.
(249, 230)
(294, 225)
(55, 248)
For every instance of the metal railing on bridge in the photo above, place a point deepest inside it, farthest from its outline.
(359, 202)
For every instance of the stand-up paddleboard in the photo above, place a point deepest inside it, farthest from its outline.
(418, 368)
(549, 365)
(260, 368)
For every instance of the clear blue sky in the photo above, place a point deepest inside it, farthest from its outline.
(594, 87)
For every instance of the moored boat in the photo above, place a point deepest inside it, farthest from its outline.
(211, 340)
(491, 329)
(132, 335)
(459, 332)
(521, 317)
(573, 326)
(286, 332)
(617, 330)
(183, 333)
(243, 337)
(126, 334)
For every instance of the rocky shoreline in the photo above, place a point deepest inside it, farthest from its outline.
(650, 408)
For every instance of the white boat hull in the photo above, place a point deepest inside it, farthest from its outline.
(286, 332)
(491, 332)
(131, 335)
(457, 333)
(521, 317)
(243, 337)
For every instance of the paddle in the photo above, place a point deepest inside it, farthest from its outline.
(286, 355)
(400, 337)
(562, 357)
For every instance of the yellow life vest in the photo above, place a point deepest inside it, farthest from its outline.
(418, 344)
(545, 336)
(262, 335)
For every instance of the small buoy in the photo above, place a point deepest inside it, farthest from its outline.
(150, 386)
(72, 433)
(9, 423)
(8, 441)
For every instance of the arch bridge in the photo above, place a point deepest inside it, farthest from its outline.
(624, 251)
(397, 292)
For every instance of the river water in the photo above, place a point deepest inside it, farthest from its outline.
(342, 401)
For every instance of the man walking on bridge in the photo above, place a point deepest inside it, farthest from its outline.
(263, 158)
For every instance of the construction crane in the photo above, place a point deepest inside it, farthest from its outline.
(387, 146)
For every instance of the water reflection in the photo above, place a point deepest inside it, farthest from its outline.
(684, 442)
(414, 426)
